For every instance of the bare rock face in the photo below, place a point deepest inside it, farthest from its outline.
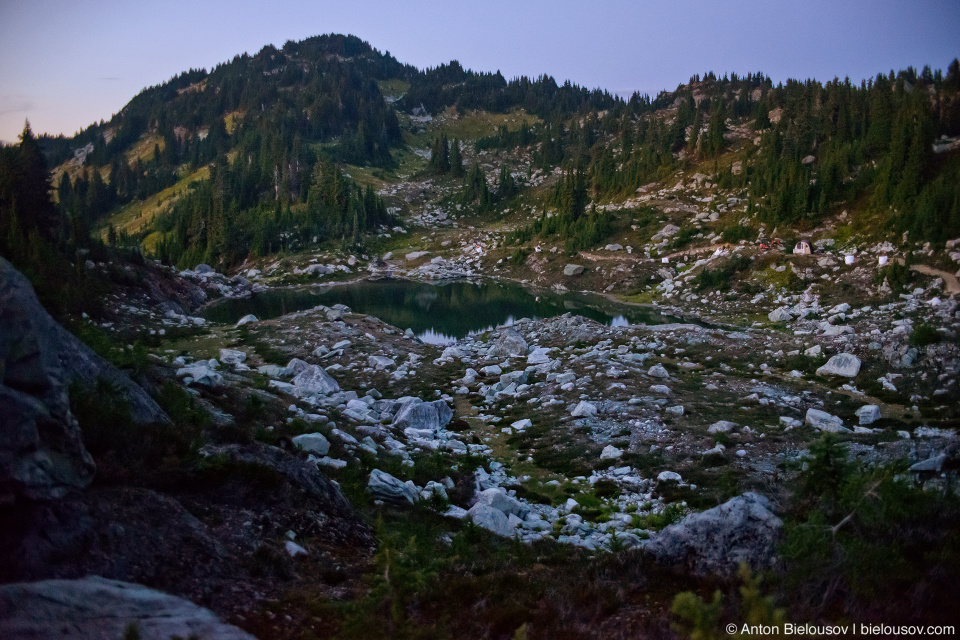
(716, 541)
(41, 452)
(95, 607)
(42, 456)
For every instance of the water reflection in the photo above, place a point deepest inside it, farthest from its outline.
(438, 313)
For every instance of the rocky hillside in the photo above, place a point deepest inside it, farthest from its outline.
(786, 438)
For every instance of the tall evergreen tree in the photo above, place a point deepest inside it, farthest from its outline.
(456, 159)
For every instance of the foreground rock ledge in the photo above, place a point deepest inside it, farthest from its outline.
(94, 608)
(716, 541)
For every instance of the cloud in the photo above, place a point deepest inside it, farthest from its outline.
(15, 104)
(109, 78)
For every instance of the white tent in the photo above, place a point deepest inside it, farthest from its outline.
(802, 248)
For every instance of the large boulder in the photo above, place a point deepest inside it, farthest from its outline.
(584, 409)
(419, 415)
(868, 414)
(780, 314)
(491, 519)
(842, 364)
(392, 490)
(540, 355)
(94, 608)
(498, 498)
(509, 343)
(825, 421)
(232, 356)
(200, 373)
(313, 443)
(722, 426)
(716, 541)
(313, 380)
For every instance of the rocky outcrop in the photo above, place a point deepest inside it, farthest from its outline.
(300, 473)
(716, 541)
(206, 540)
(94, 608)
(42, 456)
(79, 362)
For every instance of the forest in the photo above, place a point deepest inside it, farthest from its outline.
(275, 129)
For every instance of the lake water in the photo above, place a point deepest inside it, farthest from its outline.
(439, 313)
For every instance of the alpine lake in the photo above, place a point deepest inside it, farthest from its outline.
(438, 313)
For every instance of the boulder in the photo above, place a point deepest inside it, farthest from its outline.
(573, 270)
(933, 463)
(498, 498)
(842, 364)
(669, 476)
(312, 442)
(513, 377)
(825, 421)
(93, 607)
(423, 415)
(868, 414)
(835, 330)
(380, 362)
(312, 379)
(610, 452)
(297, 366)
(584, 410)
(201, 373)
(451, 353)
(509, 343)
(658, 371)
(247, 319)
(540, 355)
(232, 356)
(721, 426)
(491, 519)
(391, 490)
(716, 541)
(274, 371)
(780, 314)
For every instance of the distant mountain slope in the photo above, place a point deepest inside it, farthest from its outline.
(264, 127)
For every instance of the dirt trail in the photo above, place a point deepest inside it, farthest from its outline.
(619, 257)
(949, 280)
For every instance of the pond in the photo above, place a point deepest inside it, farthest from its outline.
(438, 313)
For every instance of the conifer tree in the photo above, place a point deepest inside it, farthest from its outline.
(456, 159)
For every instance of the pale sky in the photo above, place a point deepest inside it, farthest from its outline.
(65, 64)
